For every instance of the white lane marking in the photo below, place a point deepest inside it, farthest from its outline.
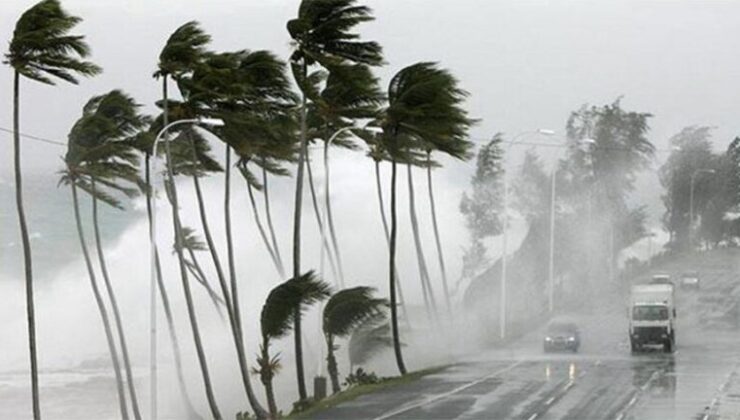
(620, 416)
(533, 416)
(550, 401)
(446, 394)
(649, 381)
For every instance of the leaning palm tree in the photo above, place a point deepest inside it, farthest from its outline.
(111, 119)
(182, 52)
(344, 312)
(322, 36)
(98, 160)
(277, 319)
(424, 107)
(193, 244)
(41, 50)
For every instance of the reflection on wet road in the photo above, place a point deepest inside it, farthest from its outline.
(603, 381)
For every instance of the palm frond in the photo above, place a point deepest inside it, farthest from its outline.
(348, 308)
(42, 49)
(295, 294)
(184, 47)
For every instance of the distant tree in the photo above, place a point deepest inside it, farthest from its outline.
(692, 152)
(367, 340)
(481, 208)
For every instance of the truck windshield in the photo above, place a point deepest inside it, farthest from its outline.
(650, 313)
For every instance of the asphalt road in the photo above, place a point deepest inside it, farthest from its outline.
(603, 381)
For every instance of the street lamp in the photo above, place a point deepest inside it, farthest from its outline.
(213, 122)
(502, 295)
(691, 200)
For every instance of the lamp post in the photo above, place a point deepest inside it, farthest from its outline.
(502, 294)
(691, 200)
(153, 249)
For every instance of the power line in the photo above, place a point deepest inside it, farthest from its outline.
(36, 138)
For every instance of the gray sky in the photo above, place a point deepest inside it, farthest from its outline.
(527, 64)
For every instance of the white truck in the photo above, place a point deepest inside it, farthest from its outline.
(652, 317)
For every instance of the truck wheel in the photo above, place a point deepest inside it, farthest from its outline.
(634, 346)
(668, 346)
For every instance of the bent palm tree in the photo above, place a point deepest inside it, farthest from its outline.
(277, 320)
(344, 312)
(424, 107)
(183, 50)
(322, 35)
(41, 50)
(99, 154)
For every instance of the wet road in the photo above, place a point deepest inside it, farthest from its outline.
(603, 381)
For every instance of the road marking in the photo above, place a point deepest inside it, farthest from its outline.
(550, 401)
(533, 416)
(446, 394)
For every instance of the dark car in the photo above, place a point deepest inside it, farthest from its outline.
(562, 336)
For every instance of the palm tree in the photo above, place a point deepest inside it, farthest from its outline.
(41, 50)
(277, 320)
(98, 159)
(144, 142)
(344, 312)
(424, 107)
(183, 50)
(322, 35)
(118, 111)
(377, 154)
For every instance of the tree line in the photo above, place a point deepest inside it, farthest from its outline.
(270, 110)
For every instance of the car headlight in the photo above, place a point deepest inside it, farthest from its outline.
(548, 339)
(571, 339)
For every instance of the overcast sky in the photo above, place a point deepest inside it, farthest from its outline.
(527, 64)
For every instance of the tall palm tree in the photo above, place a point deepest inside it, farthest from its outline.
(322, 35)
(42, 50)
(277, 320)
(183, 50)
(119, 112)
(344, 312)
(144, 142)
(424, 107)
(377, 154)
(98, 159)
(193, 244)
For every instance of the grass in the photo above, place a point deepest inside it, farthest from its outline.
(359, 390)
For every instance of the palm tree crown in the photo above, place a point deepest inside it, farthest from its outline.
(42, 49)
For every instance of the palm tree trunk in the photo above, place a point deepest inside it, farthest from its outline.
(253, 402)
(331, 366)
(277, 263)
(184, 276)
(101, 308)
(192, 414)
(324, 242)
(27, 263)
(391, 269)
(429, 301)
(300, 377)
(378, 185)
(330, 218)
(268, 216)
(437, 241)
(114, 307)
(266, 375)
(200, 276)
